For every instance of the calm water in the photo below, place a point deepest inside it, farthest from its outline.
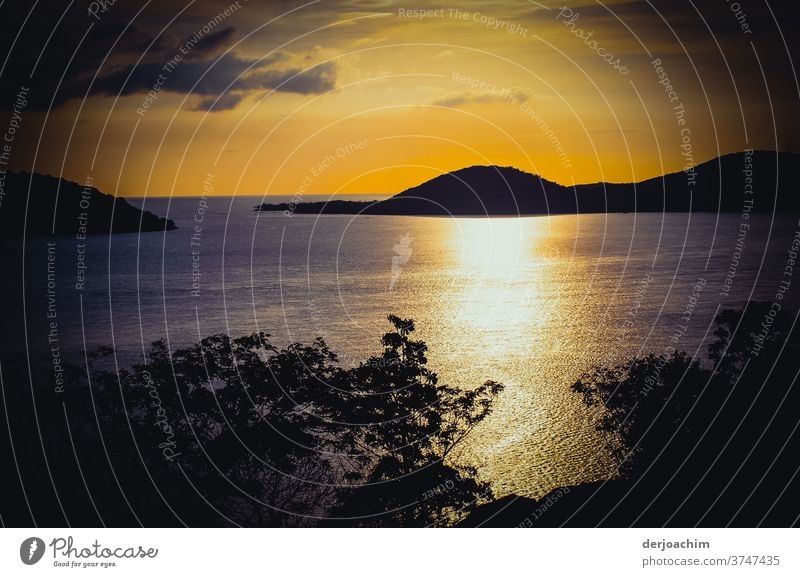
(530, 302)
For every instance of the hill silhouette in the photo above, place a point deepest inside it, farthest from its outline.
(59, 206)
(720, 185)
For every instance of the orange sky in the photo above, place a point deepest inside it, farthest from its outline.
(385, 97)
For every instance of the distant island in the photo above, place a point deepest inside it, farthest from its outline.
(728, 183)
(58, 206)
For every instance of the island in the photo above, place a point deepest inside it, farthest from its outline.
(34, 204)
(752, 181)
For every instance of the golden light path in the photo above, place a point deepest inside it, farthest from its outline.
(500, 266)
(503, 318)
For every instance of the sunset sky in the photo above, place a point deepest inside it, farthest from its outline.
(372, 96)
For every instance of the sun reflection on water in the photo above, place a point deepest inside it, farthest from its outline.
(498, 273)
(503, 317)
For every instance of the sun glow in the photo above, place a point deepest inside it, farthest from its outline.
(496, 273)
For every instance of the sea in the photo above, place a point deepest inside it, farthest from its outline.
(531, 302)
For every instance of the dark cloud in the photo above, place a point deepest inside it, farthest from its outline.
(227, 75)
(125, 58)
(227, 101)
(320, 78)
(212, 44)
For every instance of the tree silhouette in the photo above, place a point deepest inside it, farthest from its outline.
(238, 432)
(713, 445)
(644, 402)
(410, 425)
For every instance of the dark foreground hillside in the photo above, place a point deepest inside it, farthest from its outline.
(39, 205)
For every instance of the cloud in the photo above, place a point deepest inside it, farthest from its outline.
(318, 79)
(227, 101)
(211, 45)
(230, 76)
(212, 77)
(115, 58)
(458, 99)
(321, 78)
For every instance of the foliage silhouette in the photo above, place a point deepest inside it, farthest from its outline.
(719, 443)
(237, 432)
(411, 424)
(712, 443)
